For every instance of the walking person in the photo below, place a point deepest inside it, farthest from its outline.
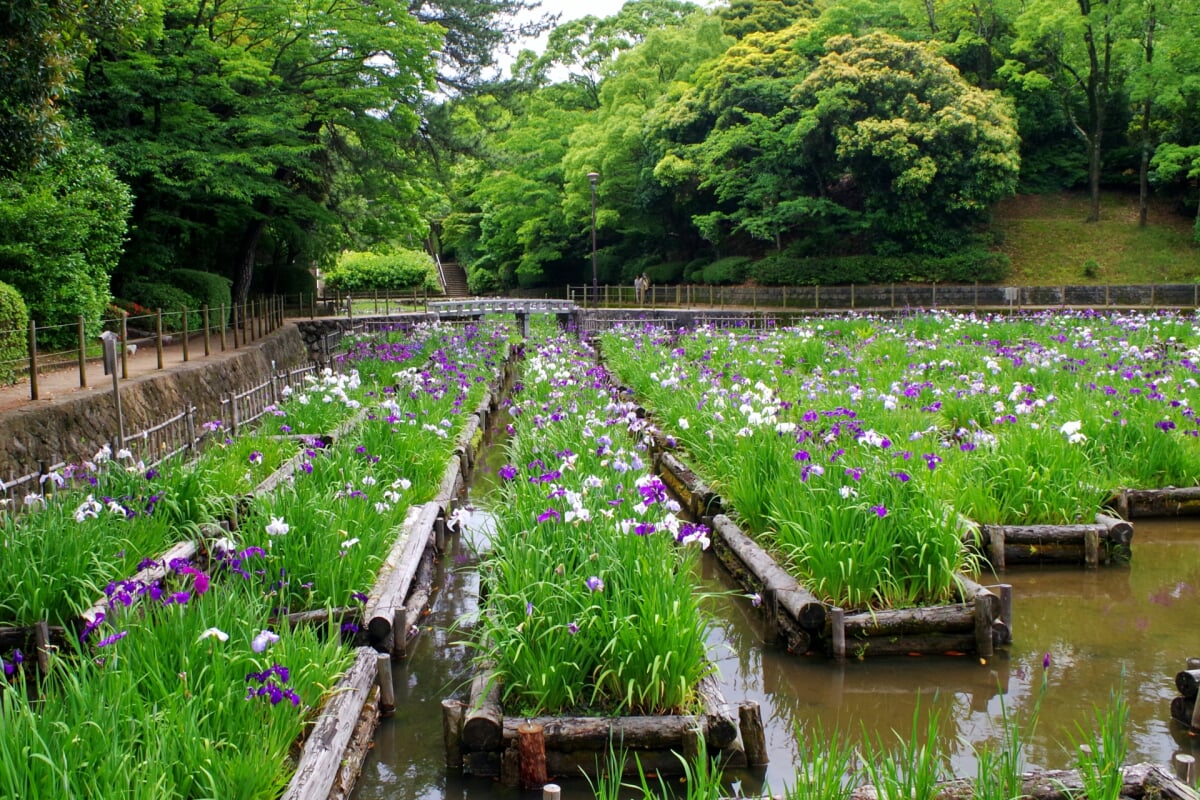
(639, 289)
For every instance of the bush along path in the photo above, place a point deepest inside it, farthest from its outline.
(198, 645)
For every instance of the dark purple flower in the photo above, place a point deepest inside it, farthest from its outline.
(116, 637)
(549, 513)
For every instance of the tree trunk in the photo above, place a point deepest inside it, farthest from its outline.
(1146, 132)
(247, 252)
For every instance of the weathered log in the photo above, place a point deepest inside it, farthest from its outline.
(1117, 530)
(483, 723)
(1044, 534)
(970, 589)
(1186, 711)
(754, 737)
(452, 721)
(532, 755)
(1047, 785)
(387, 691)
(984, 618)
(356, 750)
(956, 618)
(184, 550)
(1188, 682)
(914, 644)
(778, 585)
(1159, 782)
(721, 724)
(1184, 765)
(1170, 502)
(41, 643)
(396, 574)
(596, 733)
(451, 485)
(415, 605)
(698, 498)
(318, 617)
(23, 638)
(325, 747)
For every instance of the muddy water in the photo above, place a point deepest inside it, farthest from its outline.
(1114, 629)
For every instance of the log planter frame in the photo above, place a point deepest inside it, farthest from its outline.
(529, 751)
(336, 743)
(977, 626)
(335, 748)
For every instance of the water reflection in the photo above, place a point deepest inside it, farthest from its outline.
(1129, 627)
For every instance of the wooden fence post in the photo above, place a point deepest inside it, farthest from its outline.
(33, 376)
(124, 344)
(82, 355)
(185, 333)
(158, 336)
(207, 340)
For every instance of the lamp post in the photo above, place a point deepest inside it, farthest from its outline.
(592, 178)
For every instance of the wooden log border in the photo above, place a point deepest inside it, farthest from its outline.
(1108, 540)
(806, 624)
(481, 740)
(1168, 502)
(334, 750)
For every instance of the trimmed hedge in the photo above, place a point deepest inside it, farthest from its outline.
(14, 324)
(966, 266)
(169, 298)
(398, 270)
(726, 271)
(205, 288)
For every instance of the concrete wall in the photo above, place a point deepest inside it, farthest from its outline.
(74, 426)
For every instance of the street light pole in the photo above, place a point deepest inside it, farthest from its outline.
(593, 177)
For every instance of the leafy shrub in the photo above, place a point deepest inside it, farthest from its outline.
(398, 270)
(693, 271)
(665, 272)
(966, 266)
(14, 322)
(725, 271)
(205, 288)
(62, 227)
(166, 297)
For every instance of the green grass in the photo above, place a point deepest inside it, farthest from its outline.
(1049, 241)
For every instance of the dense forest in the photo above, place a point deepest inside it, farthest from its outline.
(155, 150)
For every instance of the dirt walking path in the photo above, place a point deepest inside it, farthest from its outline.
(62, 379)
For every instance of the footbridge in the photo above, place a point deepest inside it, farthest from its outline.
(480, 307)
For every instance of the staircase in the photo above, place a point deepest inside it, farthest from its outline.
(455, 278)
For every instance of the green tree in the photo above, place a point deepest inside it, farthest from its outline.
(41, 44)
(235, 124)
(891, 129)
(61, 230)
(1070, 47)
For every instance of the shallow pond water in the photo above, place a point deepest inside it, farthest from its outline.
(1123, 628)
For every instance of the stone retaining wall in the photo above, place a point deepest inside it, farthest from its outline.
(73, 427)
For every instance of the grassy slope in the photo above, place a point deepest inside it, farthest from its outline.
(1049, 241)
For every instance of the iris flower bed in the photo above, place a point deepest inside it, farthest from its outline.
(186, 686)
(855, 446)
(590, 605)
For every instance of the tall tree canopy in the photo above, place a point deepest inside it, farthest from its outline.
(234, 123)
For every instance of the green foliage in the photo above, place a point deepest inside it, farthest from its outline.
(389, 271)
(666, 272)
(204, 288)
(254, 129)
(39, 49)
(726, 271)
(966, 266)
(165, 297)
(61, 229)
(14, 321)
